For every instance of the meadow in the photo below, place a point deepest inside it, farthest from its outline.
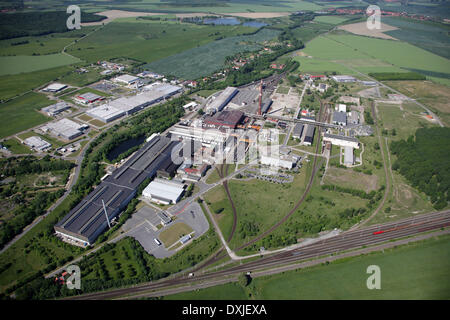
(22, 113)
(206, 59)
(334, 20)
(24, 64)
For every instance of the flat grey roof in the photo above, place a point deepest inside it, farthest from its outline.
(335, 136)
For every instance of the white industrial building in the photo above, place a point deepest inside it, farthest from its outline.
(208, 137)
(341, 141)
(343, 78)
(55, 109)
(164, 192)
(190, 105)
(55, 87)
(341, 107)
(221, 100)
(115, 109)
(37, 143)
(281, 161)
(349, 159)
(65, 128)
(126, 79)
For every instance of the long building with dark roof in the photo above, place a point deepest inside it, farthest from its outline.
(87, 220)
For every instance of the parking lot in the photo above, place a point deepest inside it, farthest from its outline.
(143, 227)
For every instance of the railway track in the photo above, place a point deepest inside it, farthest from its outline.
(346, 241)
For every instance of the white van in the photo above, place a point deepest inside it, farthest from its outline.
(157, 242)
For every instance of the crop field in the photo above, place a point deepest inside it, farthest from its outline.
(310, 31)
(147, 41)
(205, 59)
(24, 64)
(21, 113)
(334, 20)
(432, 37)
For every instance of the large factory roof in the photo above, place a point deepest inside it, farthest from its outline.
(87, 220)
(223, 98)
(229, 118)
(339, 137)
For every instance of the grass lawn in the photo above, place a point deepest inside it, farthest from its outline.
(174, 233)
(283, 90)
(334, 20)
(205, 93)
(21, 113)
(97, 123)
(24, 64)
(16, 147)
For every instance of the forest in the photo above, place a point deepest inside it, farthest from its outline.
(423, 161)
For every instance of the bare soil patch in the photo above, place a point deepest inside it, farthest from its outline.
(114, 14)
(361, 29)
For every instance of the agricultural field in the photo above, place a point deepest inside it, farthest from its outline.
(334, 20)
(370, 55)
(147, 41)
(22, 113)
(205, 59)
(23, 64)
(429, 36)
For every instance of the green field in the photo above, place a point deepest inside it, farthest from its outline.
(173, 233)
(415, 271)
(334, 20)
(24, 64)
(16, 147)
(336, 51)
(204, 60)
(22, 113)
(147, 41)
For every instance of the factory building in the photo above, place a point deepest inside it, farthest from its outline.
(37, 143)
(309, 135)
(341, 141)
(163, 192)
(88, 98)
(208, 137)
(87, 220)
(226, 118)
(55, 109)
(128, 105)
(340, 118)
(266, 106)
(126, 79)
(65, 128)
(221, 100)
(353, 117)
(54, 87)
(343, 79)
(348, 156)
(298, 131)
(281, 161)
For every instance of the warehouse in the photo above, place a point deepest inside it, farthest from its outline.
(341, 141)
(343, 79)
(55, 87)
(226, 118)
(161, 192)
(65, 128)
(298, 131)
(348, 156)
(88, 98)
(309, 135)
(87, 220)
(37, 143)
(221, 100)
(281, 161)
(208, 137)
(129, 105)
(353, 117)
(55, 109)
(126, 79)
(340, 118)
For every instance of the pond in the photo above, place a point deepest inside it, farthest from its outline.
(222, 21)
(124, 146)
